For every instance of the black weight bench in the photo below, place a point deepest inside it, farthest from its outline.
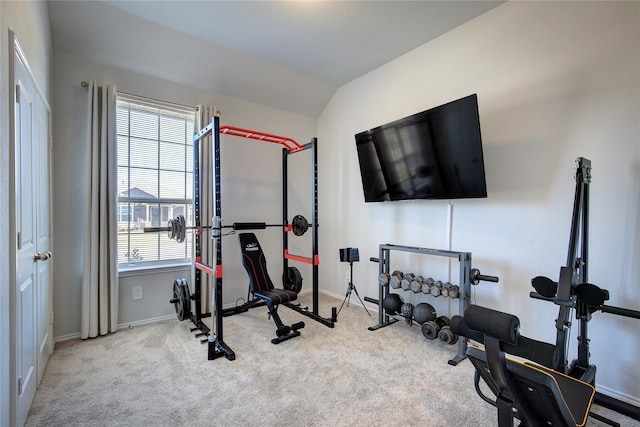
(528, 391)
(261, 286)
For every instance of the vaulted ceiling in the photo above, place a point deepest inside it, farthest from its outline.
(290, 55)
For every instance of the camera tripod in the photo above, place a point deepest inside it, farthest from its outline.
(351, 288)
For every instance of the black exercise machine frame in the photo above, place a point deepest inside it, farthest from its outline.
(215, 338)
(572, 275)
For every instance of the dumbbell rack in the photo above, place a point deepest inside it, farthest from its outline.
(464, 259)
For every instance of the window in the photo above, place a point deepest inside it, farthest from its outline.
(155, 180)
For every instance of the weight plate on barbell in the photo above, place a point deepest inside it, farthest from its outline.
(183, 229)
(299, 225)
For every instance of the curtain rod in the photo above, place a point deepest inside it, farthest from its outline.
(86, 85)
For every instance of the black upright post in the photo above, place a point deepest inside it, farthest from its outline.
(285, 207)
(196, 214)
(217, 346)
(575, 272)
(314, 221)
(218, 238)
(583, 342)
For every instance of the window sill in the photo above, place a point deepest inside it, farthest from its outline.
(152, 269)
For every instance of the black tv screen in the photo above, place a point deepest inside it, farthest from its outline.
(435, 154)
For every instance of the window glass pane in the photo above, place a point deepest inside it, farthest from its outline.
(172, 156)
(172, 129)
(123, 150)
(145, 247)
(189, 162)
(144, 125)
(122, 120)
(144, 183)
(144, 153)
(189, 186)
(175, 185)
(123, 181)
(176, 251)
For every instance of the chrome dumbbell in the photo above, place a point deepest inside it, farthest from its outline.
(416, 284)
(396, 279)
(405, 284)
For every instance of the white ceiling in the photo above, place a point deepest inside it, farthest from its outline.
(291, 55)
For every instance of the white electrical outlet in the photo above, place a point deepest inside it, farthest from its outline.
(137, 292)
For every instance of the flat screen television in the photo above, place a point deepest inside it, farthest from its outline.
(435, 154)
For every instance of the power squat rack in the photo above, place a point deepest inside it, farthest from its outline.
(215, 338)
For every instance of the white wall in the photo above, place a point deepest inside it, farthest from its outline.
(555, 81)
(30, 22)
(251, 187)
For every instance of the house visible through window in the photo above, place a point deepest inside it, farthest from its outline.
(155, 180)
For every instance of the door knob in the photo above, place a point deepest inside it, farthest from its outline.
(42, 256)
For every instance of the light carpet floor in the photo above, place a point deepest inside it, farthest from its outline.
(158, 375)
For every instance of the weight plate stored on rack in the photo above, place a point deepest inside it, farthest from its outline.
(292, 279)
(186, 294)
(181, 299)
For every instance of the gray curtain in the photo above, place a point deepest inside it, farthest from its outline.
(99, 309)
(207, 209)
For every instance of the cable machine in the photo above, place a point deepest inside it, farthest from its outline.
(573, 291)
(215, 339)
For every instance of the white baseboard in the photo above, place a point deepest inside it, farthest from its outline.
(617, 395)
(68, 337)
(147, 321)
(353, 300)
(77, 335)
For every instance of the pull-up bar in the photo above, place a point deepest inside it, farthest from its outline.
(291, 144)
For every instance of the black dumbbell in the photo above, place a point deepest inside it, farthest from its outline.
(432, 328)
(446, 336)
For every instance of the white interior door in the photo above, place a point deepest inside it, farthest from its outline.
(44, 303)
(31, 324)
(26, 353)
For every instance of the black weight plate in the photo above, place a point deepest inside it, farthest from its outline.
(442, 321)
(177, 298)
(447, 336)
(430, 330)
(299, 225)
(186, 296)
(292, 279)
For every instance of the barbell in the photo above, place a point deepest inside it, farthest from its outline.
(177, 228)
